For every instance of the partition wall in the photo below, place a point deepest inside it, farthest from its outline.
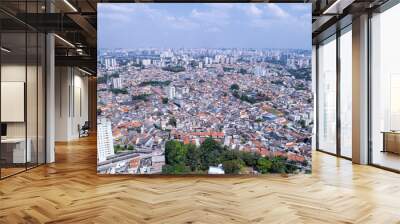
(22, 101)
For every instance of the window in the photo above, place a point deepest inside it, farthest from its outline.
(385, 89)
(346, 92)
(327, 95)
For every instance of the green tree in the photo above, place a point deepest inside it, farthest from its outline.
(228, 69)
(230, 155)
(235, 87)
(119, 91)
(236, 94)
(141, 97)
(258, 120)
(114, 75)
(176, 68)
(175, 153)
(175, 169)
(101, 80)
(210, 152)
(278, 165)
(164, 100)
(242, 71)
(117, 148)
(155, 83)
(131, 148)
(193, 157)
(302, 123)
(232, 166)
(291, 166)
(172, 121)
(264, 165)
(250, 158)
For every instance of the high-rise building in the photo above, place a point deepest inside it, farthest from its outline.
(208, 61)
(105, 144)
(117, 83)
(110, 63)
(171, 92)
(146, 62)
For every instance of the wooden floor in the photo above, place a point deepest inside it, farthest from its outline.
(69, 191)
(5, 172)
(386, 159)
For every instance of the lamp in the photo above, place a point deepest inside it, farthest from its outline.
(70, 5)
(5, 50)
(64, 40)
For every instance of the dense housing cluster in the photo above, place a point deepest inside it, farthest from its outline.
(243, 100)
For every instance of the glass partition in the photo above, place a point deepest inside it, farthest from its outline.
(13, 92)
(22, 88)
(385, 89)
(41, 97)
(346, 93)
(31, 97)
(327, 95)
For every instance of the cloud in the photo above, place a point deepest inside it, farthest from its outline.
(213, 30)
(194, 21)
(261, 23)
(117, 17)
(277, 11)
(213, 16)
(136, 13)
(119, 8)
(179, 22)
(252, 10)
(301, 7)
(221, 6)
(283, 15)
(114, 12)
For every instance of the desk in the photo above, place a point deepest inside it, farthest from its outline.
(391, 141)
(13, 150)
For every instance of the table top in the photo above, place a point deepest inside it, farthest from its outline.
(391, 132)
(13, 140)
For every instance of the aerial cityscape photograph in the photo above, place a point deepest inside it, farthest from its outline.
(204, 89)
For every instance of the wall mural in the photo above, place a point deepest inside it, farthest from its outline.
(204, 88)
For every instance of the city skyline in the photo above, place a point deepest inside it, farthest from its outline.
(204, 88)
(217, 25)
(197, 48)
(198, 111)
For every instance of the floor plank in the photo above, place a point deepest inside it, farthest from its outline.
(69, 191)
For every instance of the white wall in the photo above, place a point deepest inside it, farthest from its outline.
(71, 102)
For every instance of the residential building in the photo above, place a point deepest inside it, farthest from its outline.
(105, 143)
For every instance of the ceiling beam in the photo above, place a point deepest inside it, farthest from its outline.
(337, 7)
(86, 26)
(77, 61)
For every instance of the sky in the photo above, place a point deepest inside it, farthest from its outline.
(204, 25)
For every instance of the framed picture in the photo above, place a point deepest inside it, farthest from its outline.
(195, 88)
